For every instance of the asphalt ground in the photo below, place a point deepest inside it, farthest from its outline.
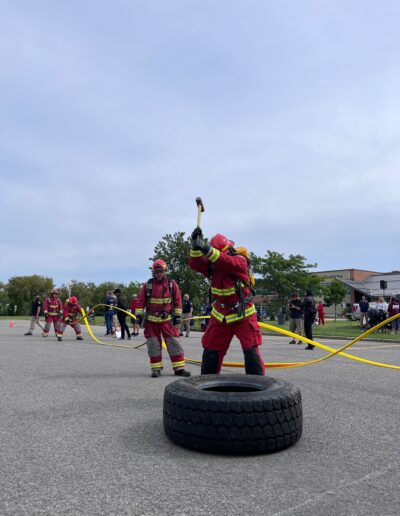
(81, 434)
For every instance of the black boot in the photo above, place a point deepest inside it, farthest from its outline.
(59, 339)
(155, 373)
(182, 372)
(209, 364)
(252, 362)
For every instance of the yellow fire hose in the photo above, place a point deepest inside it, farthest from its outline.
(332, 352)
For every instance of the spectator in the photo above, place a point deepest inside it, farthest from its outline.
(364, 307)
(295, 307)
(35, 313)
(381, 307)
(310, 312)
(135, 322)
(121, 316)
(110, 301)
(321, 313)
(187, 313)
(394, 309)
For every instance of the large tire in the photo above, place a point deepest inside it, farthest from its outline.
(233, 414)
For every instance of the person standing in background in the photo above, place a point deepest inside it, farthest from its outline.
(121, 316)
(310, 312)
(35, 313)
(321, 313)
(111, 301)
(187, 313)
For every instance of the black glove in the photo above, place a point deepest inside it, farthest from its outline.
(197, 232)
(176, 320)
(200, 245)
(46, 314)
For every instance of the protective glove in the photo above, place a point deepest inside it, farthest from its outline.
(201, 245)
(67, 319)
(46, 314)
(197, 232)
(176, 320)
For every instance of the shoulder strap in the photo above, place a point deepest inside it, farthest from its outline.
(149, 287)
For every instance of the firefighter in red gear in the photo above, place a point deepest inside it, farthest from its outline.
(233, 313)
(161, 298)
(52, 309)
(71, 312)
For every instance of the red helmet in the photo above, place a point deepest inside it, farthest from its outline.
(73, 300)
(159, 264)
(221, 242)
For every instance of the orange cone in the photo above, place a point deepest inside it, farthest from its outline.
(11, 325)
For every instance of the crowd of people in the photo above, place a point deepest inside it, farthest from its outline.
(373, 314)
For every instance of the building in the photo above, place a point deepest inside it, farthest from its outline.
(362, 283)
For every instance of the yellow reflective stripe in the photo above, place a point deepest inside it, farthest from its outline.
(156, 365)
(155, 318)
(178, 311)
(175, 365)
(160, 300)
(215, 254)
(232, 317)
(139, 311)
(195, 254)
(223, 291)
(217, 315)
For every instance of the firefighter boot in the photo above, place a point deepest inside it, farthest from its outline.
(209, 363)
(182, 372)
(155, 373)
(252, 362)
(79, 338)
(59, 339)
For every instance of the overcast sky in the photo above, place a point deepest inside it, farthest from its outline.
(284, 116)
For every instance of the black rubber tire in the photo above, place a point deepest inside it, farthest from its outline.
(233, 414)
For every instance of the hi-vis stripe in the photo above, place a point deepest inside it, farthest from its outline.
(155, 318)
(139, 311)
(178, 365)
(195, 254)
(223, 291)
(156, 365)
(160, 300)
(232, 317)
(215, 254)
(178, 311)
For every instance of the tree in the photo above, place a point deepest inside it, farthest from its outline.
(279, 277)
(334, 293)
(174, 250)
(22, 289)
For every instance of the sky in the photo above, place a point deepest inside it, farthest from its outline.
(283, 116)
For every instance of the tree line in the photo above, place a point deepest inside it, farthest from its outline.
(276, 277)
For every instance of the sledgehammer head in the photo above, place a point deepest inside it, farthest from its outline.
(199, 202)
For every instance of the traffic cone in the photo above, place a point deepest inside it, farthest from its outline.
(11, 325)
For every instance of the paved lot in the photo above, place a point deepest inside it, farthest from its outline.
(81, 433)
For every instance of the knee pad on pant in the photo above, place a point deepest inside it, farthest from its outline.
(252, 362)
(209, 364)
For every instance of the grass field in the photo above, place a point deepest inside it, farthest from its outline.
(341, 328)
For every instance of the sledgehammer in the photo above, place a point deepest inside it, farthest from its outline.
(200, 209)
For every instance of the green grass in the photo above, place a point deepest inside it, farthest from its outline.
(341, 328)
